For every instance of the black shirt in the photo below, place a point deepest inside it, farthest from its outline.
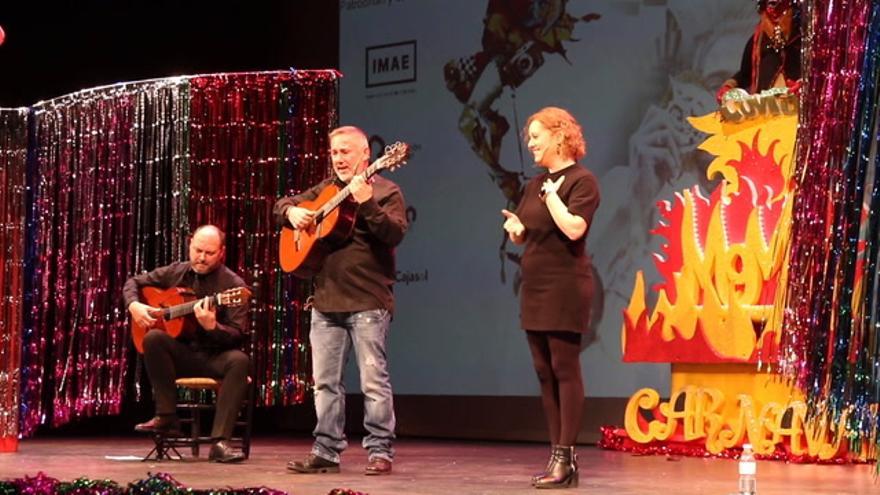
(786, 61)
(359, 274)
(231, 321)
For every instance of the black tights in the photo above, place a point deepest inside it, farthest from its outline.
(556, 356)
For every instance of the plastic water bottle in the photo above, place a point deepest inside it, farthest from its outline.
(748, 485)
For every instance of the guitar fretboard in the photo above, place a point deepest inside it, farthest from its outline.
(181, 309)
(345, 192)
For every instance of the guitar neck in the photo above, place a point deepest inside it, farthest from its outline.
(186, 308)
(345, 192)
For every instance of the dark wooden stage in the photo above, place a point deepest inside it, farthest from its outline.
(429, 467)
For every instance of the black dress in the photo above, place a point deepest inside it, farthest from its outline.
(557, 282)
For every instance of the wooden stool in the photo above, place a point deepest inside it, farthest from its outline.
(198, 395)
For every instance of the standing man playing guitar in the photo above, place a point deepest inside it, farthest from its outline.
(353, 304)
(210, 348)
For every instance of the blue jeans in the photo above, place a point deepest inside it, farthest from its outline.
(332, 337)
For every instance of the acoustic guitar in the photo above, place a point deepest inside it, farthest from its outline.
(178, 302)
(303, 251)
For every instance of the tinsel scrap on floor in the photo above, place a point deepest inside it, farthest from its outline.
(159, 483)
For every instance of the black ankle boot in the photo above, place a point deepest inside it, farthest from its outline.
(562, 471)
(546, 470)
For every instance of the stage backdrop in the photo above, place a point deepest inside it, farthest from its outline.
(457, 79)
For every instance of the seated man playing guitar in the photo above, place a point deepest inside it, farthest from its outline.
(209, 348)
(353, 299)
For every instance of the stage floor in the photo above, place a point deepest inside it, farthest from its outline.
(429, 467)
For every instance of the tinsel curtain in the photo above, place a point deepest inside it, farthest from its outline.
(13, 155)
(830, 344)
(119, 176)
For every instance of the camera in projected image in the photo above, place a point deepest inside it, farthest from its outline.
(524, 62)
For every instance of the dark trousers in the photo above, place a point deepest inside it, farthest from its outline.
(167, 359)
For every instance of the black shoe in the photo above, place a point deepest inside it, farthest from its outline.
(562, 471)
(313, 464)
(547, 469)
(168, 426)
(378, 466)
(223, 452)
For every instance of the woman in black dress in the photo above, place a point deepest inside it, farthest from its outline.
(552, 220)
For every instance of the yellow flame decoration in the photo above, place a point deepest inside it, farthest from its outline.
(728, 277)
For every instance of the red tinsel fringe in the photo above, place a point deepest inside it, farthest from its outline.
(614, 438)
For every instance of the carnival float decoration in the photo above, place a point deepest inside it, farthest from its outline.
(767, 306)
